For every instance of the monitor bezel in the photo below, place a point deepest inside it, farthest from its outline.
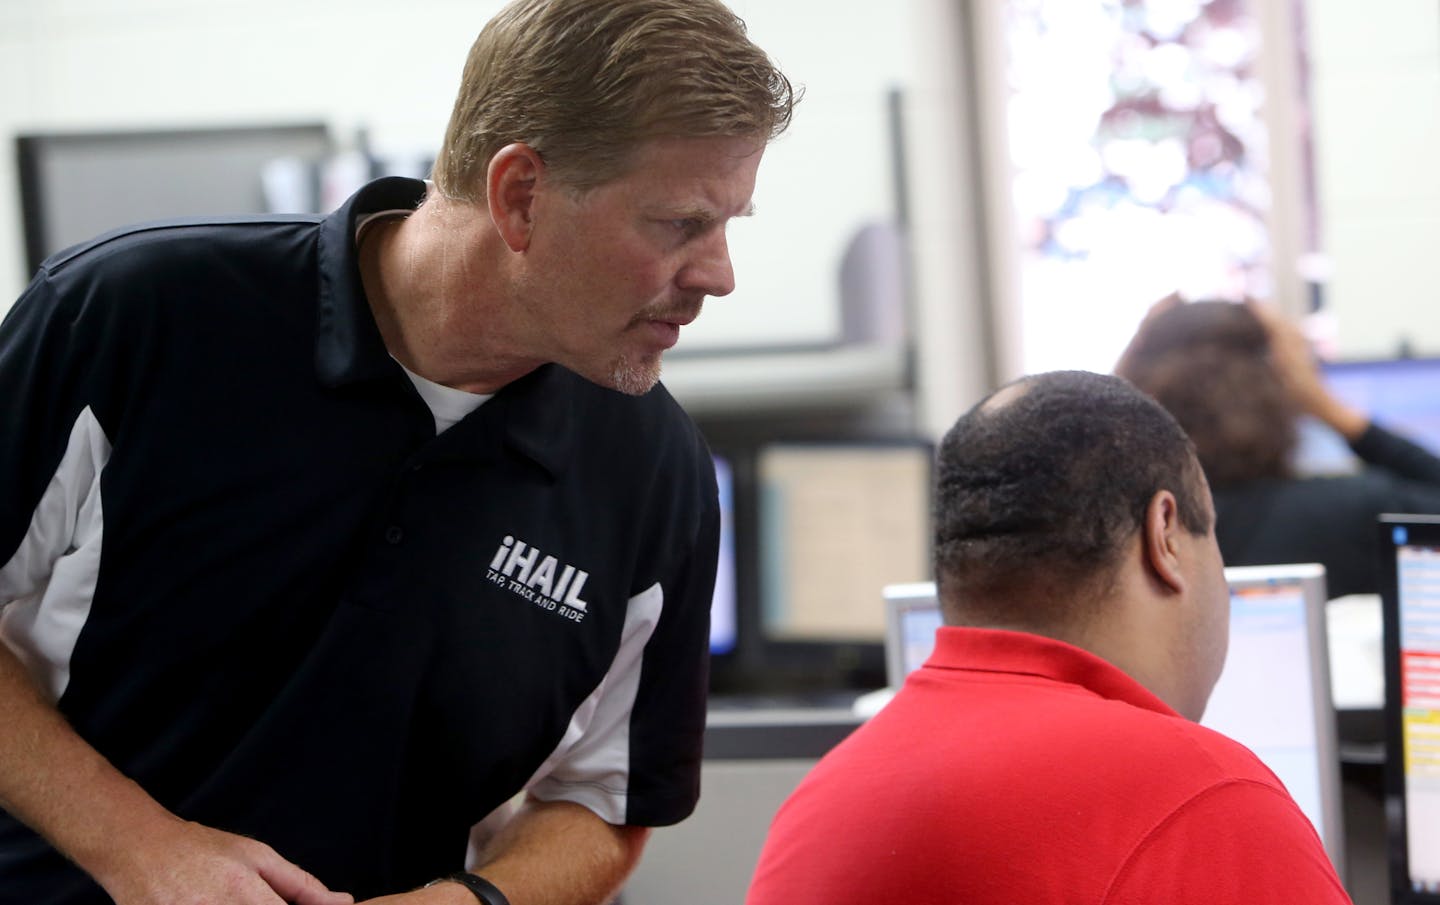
(762, 664)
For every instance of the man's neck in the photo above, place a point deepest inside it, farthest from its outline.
(429, 287)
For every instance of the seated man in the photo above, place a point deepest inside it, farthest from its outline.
(1047, 752)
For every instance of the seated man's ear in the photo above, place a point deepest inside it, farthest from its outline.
(1161, 540)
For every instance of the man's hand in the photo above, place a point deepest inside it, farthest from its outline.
(139, 852)
(189, 864)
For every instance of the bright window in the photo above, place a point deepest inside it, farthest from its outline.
(1139, 161)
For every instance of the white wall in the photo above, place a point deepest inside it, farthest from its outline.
(1375, 88)
(133, 64)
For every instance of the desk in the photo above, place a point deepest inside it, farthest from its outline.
(754, 758)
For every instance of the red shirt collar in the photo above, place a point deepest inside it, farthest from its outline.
(1021, 653)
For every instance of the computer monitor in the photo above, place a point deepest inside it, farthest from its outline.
(75, 186)
(912, 615)
(1410, 604)
(1274, 695)
(1400, 394)
(838, 521)
(723, 629)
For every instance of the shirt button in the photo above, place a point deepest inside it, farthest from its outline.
(394, 534)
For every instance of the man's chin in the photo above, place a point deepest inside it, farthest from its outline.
(633, 378)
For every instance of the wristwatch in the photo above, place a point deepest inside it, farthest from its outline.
(483, 889)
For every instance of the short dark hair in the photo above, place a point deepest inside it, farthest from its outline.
(1037, 493)
(1209, 364)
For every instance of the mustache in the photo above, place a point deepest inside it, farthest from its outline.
(683, 311)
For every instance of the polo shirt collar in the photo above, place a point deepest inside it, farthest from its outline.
(535, 412)
(535, 416)
(1021, 653)
(349, 347)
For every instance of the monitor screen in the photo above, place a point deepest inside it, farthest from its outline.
(1273, 695)
(837, 523)
(1410, 600)
(1403, 395)
(722, 607)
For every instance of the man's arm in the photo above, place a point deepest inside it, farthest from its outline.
(550, 853)
(60, 786)
(558, 853)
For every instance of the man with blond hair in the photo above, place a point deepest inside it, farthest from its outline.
(323, 539)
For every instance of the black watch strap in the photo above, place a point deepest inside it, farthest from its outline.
(484, 890)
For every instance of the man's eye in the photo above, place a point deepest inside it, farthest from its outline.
(688, 227)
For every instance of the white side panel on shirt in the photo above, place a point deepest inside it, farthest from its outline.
(48, 585)
(591, 765)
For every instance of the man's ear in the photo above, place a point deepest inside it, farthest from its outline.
(1161, 539)
(510, 182)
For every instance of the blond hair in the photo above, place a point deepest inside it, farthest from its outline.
(586, 82)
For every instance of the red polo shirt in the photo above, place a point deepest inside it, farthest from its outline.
(1014, 768)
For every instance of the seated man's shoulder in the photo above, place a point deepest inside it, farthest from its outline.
(1171, 745)
(1168, 767)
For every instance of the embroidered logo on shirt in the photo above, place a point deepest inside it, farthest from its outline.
(543, 580)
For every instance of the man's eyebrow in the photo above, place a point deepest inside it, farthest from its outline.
(708, 215)
(702, 216)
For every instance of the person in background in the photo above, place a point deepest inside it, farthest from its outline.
(324, 539)
(1238, 376)
(1047, 752)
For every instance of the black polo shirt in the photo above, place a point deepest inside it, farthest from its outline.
(234, 550)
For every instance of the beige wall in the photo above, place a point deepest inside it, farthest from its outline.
(1375, 89)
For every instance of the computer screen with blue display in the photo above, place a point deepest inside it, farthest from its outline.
(1410, 603)
(723, 603)
(1402, 394)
